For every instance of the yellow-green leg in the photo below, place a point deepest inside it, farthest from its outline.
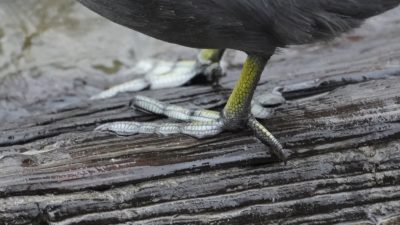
(210, 55)
(237, 109)
(208, 64)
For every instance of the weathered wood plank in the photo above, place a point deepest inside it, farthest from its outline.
(346, 160)
(344, 134)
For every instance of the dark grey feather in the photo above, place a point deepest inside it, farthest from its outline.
(305, 21)
(249, 25)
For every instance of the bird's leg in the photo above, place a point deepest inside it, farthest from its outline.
(168, 74)
(237, 110)
(205, 123)
(208, 63)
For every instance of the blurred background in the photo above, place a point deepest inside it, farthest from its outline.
(54, 48)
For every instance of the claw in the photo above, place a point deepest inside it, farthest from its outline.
(267, 138)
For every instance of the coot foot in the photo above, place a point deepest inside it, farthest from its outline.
(236, 114)
(161, 74)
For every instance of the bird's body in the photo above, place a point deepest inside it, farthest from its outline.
(247, 25)
(257, 27)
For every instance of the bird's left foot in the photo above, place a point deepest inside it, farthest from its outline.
(196, 123)
(160, 74)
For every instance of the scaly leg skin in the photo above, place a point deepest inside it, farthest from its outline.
(205, 123)
(163, 74)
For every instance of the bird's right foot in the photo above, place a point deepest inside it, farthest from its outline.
(197, 123)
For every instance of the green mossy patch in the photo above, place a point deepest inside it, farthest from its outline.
(116, 66)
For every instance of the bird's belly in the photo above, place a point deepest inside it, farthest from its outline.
(192, 23)
(173, 22)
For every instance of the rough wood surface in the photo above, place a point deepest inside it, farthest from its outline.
(344, 133)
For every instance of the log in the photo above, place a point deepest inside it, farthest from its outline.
(342, 128)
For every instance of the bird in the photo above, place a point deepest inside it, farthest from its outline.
(257, 27)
